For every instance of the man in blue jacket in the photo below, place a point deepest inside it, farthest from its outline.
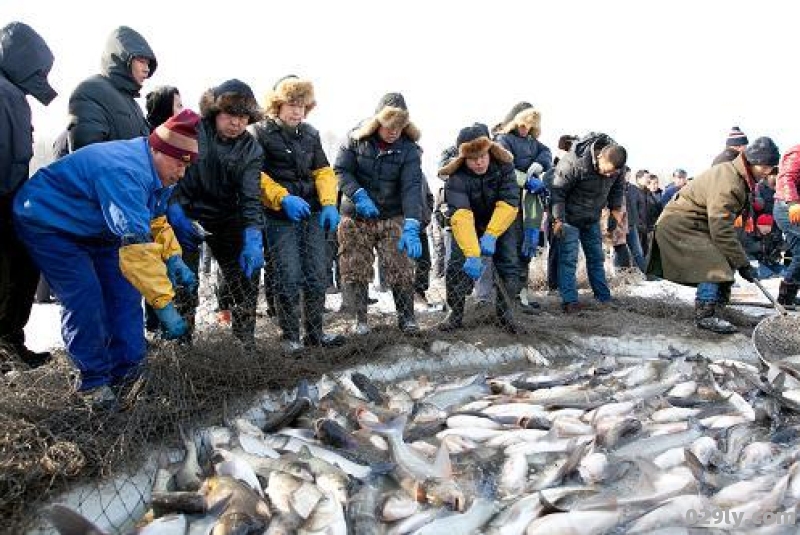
(94, 222)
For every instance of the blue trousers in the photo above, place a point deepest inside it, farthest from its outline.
(102, 321)
(707, 292)
(635, 247)
(590, 238)
(792, 233)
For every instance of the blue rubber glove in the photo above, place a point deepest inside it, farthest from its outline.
(473, 267)
(251, 258)
(534, 185)
(329, 218)
(364, 205)
(187, 235)
(530, 243)
(488, 244)
(172, 324)
(409, 239)
(296, 208)
(180, 274)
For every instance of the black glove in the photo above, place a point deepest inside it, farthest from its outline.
(748, 273)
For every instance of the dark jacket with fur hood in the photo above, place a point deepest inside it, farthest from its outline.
(526, 150)
(289, 159)
(391, 177)
(102, 108)
(578, 192)
(479, 193)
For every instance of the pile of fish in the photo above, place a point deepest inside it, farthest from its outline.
(607, 444)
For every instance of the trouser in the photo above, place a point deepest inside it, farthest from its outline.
(422, 268)
(270, 278)
(622, 256)
(301, 262)
(589, 237)
(358, 238)
(792, 233)
(635, 248)
(554, 245)
(332, 276)
(644, 240)
(524, 261)
(439, 248)
(102, 322)
(42, 291)
(19, 277)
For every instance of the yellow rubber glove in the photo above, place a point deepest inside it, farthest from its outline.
(463, 225)
(164, 235)
(327, 184)
(141, 264)
(504, 214)
(272, 193)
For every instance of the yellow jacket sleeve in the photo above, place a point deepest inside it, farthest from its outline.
(164, 236)
(463, 223)
(141, 264)
(504, 214)
(326, 182)
(272, 193)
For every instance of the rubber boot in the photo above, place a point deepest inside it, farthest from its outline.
(787, 293)
(455, 302)
(32, 359)
(357, 295)
(289, 322)
(314, 308)
(705, 318)
(504, 307)
(404, 304)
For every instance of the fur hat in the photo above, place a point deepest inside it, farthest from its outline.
(473, 142)
(177, 137)
(523, 114)
(763, 151)
(736, 138)
(290, 89)
(392, 113)
(234, 97)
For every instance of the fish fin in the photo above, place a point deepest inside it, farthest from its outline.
(69, 522)
(697, 468)
(779, 381)
(393, 427)
(649, 472)
(442, 463)
(479, 379)
(549, 507)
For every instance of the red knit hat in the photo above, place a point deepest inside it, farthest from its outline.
(765, 221)
(177, 137)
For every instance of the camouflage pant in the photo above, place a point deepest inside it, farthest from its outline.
(358, 239)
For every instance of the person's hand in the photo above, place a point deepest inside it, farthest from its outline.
(530, 243)
(188, 236)
(251, 259)
(180, 274)
(534, 185)
(488, 244)
(409, 239)
(364, 205)
(748, 273)
(296, 208)
(473, 266)
(329, 218)
(172, 324)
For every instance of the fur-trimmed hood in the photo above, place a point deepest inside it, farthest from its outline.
(474, 148)
(391, 113)
(292, 90)
(233, 97)
(528, 117)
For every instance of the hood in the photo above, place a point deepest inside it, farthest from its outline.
(122, 46)
(26, 60)
(586, 148)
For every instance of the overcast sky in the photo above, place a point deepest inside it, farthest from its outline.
(666, 79)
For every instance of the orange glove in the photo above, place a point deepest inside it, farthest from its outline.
(794, 214)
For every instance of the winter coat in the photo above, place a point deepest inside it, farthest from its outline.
(669, 193)
(631, 203)
(649, 209)
(526, 150)
(391, 177)
(579, 192)
(727, 155)
(428, 203)
(786, 187)
(290, 159)
(24, 57)
(479, 193)
(102, 107)
(695, 239)
(223, 187)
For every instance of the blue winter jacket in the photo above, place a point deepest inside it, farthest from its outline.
(104, 191)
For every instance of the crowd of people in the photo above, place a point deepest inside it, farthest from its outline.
(134, 201)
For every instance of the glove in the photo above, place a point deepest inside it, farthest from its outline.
(186, 233)
(172, 324)
(534, 185)
(180, 274)
(296, 208)
(329, 218)
(488, 243)
(558, 228)
(535, 169)
(409, 240)
(794, 214)
(364, 205)
(251, 258)
(748, 273)
(473, 266)
(530, 243)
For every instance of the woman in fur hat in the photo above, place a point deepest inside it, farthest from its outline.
(379, 170)
(299, 191)
(483, 200)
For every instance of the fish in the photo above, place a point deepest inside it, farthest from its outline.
(445, 399)
(470, 521)
(69, 522)
(245, 510)
(354, 469)
(652, 446)
(189, 475)
(362, 509)
(327, 516)
(367, 388)
(298, 407)
(397, 505)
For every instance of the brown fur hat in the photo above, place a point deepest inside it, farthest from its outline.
(524, 115)
(234, 97)
(391, 113)
(473, 142)
(293, 90)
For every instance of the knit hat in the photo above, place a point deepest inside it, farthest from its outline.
(473, 142)
(523, 114)
(391, 113)
(764, 223)
(292, 90)
(736, 138)
(177, 137)
(762, 151)
(233, 97)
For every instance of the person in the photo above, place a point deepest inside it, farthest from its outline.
(520, 136)
(736, 143)
(786, 212)
(586, 180)
(439, 233)
(299, 192)
(379, 170)
(616, 232)
(102, 207)
(25, 62)
(695, 240)
(103, 107)
(423, 264)
(483, 199)
(565, 143)
(222, 193)
(648, 208)
(679, 179)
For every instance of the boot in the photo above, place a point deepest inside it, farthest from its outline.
(531, 307)
(705, 318)
(314, 305)
(504, 307)
(787, 293)
(724, 293)
(455, 318)
(404, 304)
(357, 295)
(32, 359)
(289, 322)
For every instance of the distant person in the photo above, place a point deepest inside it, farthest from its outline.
(565, 143)
(736, 143)
(25, 62)
(679, 179)
(695, 240)
(787, 215)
